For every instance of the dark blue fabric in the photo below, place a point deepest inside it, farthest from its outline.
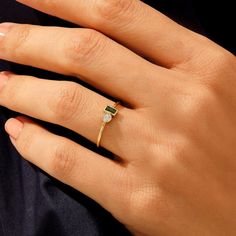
(31, 202)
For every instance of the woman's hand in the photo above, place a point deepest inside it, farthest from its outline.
(174, 135)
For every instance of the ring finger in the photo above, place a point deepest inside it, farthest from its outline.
(67, 104)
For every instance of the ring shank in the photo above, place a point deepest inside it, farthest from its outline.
(100, 133)
(103, 126)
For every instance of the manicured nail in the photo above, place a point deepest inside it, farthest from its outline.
(6, 72)
(13, 127)
(4, 28)
(3, 79)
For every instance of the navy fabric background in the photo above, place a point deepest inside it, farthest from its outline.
(31, 202)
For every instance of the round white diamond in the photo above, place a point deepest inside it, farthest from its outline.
(107, 118)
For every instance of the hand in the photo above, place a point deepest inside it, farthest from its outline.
(174, 135)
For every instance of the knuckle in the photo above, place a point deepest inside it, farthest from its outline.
(220, 60)
(84, 46)
(214, 58)
(222, 63)
(21, 35)
(195, 108)
(221, 68)
(16, 84)
(63, 160)
(112, 10)
(198, 103)
(68, 102)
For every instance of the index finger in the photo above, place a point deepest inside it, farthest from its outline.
(131, 22)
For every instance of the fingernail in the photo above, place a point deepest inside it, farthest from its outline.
(14, 127)
(3, 79)
(4, 28)
(6, 72)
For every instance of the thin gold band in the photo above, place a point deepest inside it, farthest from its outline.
(105, 122)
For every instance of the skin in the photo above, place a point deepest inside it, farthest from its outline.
(174, 136)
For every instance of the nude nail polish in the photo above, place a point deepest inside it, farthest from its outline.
(3, 80)
(13, 127)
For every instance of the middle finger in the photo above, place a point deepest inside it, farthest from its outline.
(85, 53)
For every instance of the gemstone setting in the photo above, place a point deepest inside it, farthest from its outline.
(111, 110)
(107, 118)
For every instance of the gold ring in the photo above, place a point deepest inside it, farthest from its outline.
(109, 113)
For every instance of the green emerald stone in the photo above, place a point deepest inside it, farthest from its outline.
(113, 111)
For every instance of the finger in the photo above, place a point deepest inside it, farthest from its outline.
(84, 170)
(80, 52)
(67, 104)
(131, 22)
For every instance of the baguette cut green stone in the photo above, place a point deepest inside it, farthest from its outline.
(111, 110)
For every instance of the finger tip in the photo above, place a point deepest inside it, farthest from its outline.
(13, 127)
